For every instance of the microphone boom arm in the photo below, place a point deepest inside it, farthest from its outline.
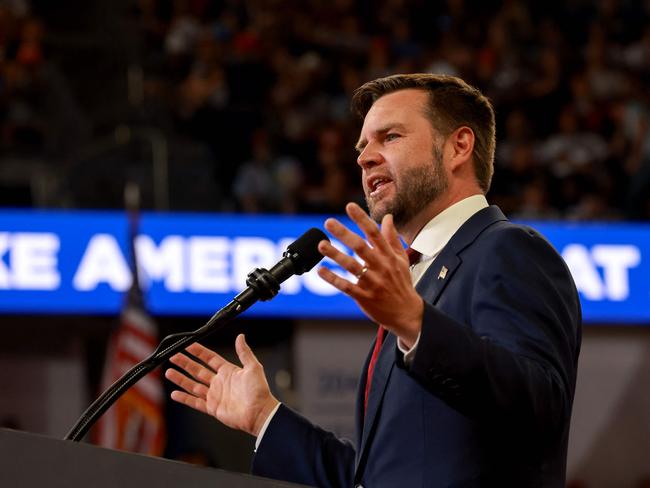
(262, 285)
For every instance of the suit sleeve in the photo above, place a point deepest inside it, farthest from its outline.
(295, 450)
(514, 361)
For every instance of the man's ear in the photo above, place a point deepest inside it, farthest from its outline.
(461, 143)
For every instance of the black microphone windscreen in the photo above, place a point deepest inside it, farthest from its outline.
(304, 251)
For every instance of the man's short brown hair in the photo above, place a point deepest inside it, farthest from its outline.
(452, 104)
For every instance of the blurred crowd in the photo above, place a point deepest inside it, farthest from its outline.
(260, 90)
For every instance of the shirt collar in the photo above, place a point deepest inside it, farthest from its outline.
(438, 231)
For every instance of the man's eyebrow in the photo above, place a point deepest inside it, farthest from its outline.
(380, 130)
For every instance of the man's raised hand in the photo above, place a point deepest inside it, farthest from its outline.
(239, 397)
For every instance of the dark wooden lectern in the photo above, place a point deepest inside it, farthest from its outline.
(34, 461)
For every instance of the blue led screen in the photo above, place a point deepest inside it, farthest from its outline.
(77, 262)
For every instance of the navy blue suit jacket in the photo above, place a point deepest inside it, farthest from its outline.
(487, 398)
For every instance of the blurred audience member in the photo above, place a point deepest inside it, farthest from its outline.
(267, 183)
(569, 82)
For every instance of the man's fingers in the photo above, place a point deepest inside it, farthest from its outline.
(197, 371)
(189, 400)
(390, 233)
(209, 357)
(368, 226)
(341, 284)
(352, 240)
(189, 385)
(244, 352)
(346, 262)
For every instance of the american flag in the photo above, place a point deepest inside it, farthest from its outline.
(135, 422)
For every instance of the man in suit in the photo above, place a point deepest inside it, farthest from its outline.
(470, 381)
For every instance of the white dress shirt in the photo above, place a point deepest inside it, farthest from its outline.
(433, 237)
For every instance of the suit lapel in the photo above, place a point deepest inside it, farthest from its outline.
(383, 369)
(435, 279)
(440, 272)
(359, 414)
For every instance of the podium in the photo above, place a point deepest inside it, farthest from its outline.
(34, 461)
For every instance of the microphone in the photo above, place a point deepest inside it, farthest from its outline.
(301, 256)
(303, 253)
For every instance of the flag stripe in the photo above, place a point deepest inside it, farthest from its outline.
(135, 422)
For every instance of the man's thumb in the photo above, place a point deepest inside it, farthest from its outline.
(244, 352)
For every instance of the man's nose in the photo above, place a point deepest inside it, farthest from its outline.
(369, 157)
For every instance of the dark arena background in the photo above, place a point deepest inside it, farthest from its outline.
(226, 124)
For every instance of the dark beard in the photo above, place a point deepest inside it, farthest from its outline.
(416, 188)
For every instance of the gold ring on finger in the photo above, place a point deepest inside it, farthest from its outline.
(363, 271)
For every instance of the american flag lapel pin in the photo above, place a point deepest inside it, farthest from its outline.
(443, 273)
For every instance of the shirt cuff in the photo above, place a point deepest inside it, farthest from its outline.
(409, 354)
(264, 426)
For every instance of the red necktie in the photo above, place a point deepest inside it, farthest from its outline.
(414, 257)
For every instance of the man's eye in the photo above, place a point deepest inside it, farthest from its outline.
(390, 137)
